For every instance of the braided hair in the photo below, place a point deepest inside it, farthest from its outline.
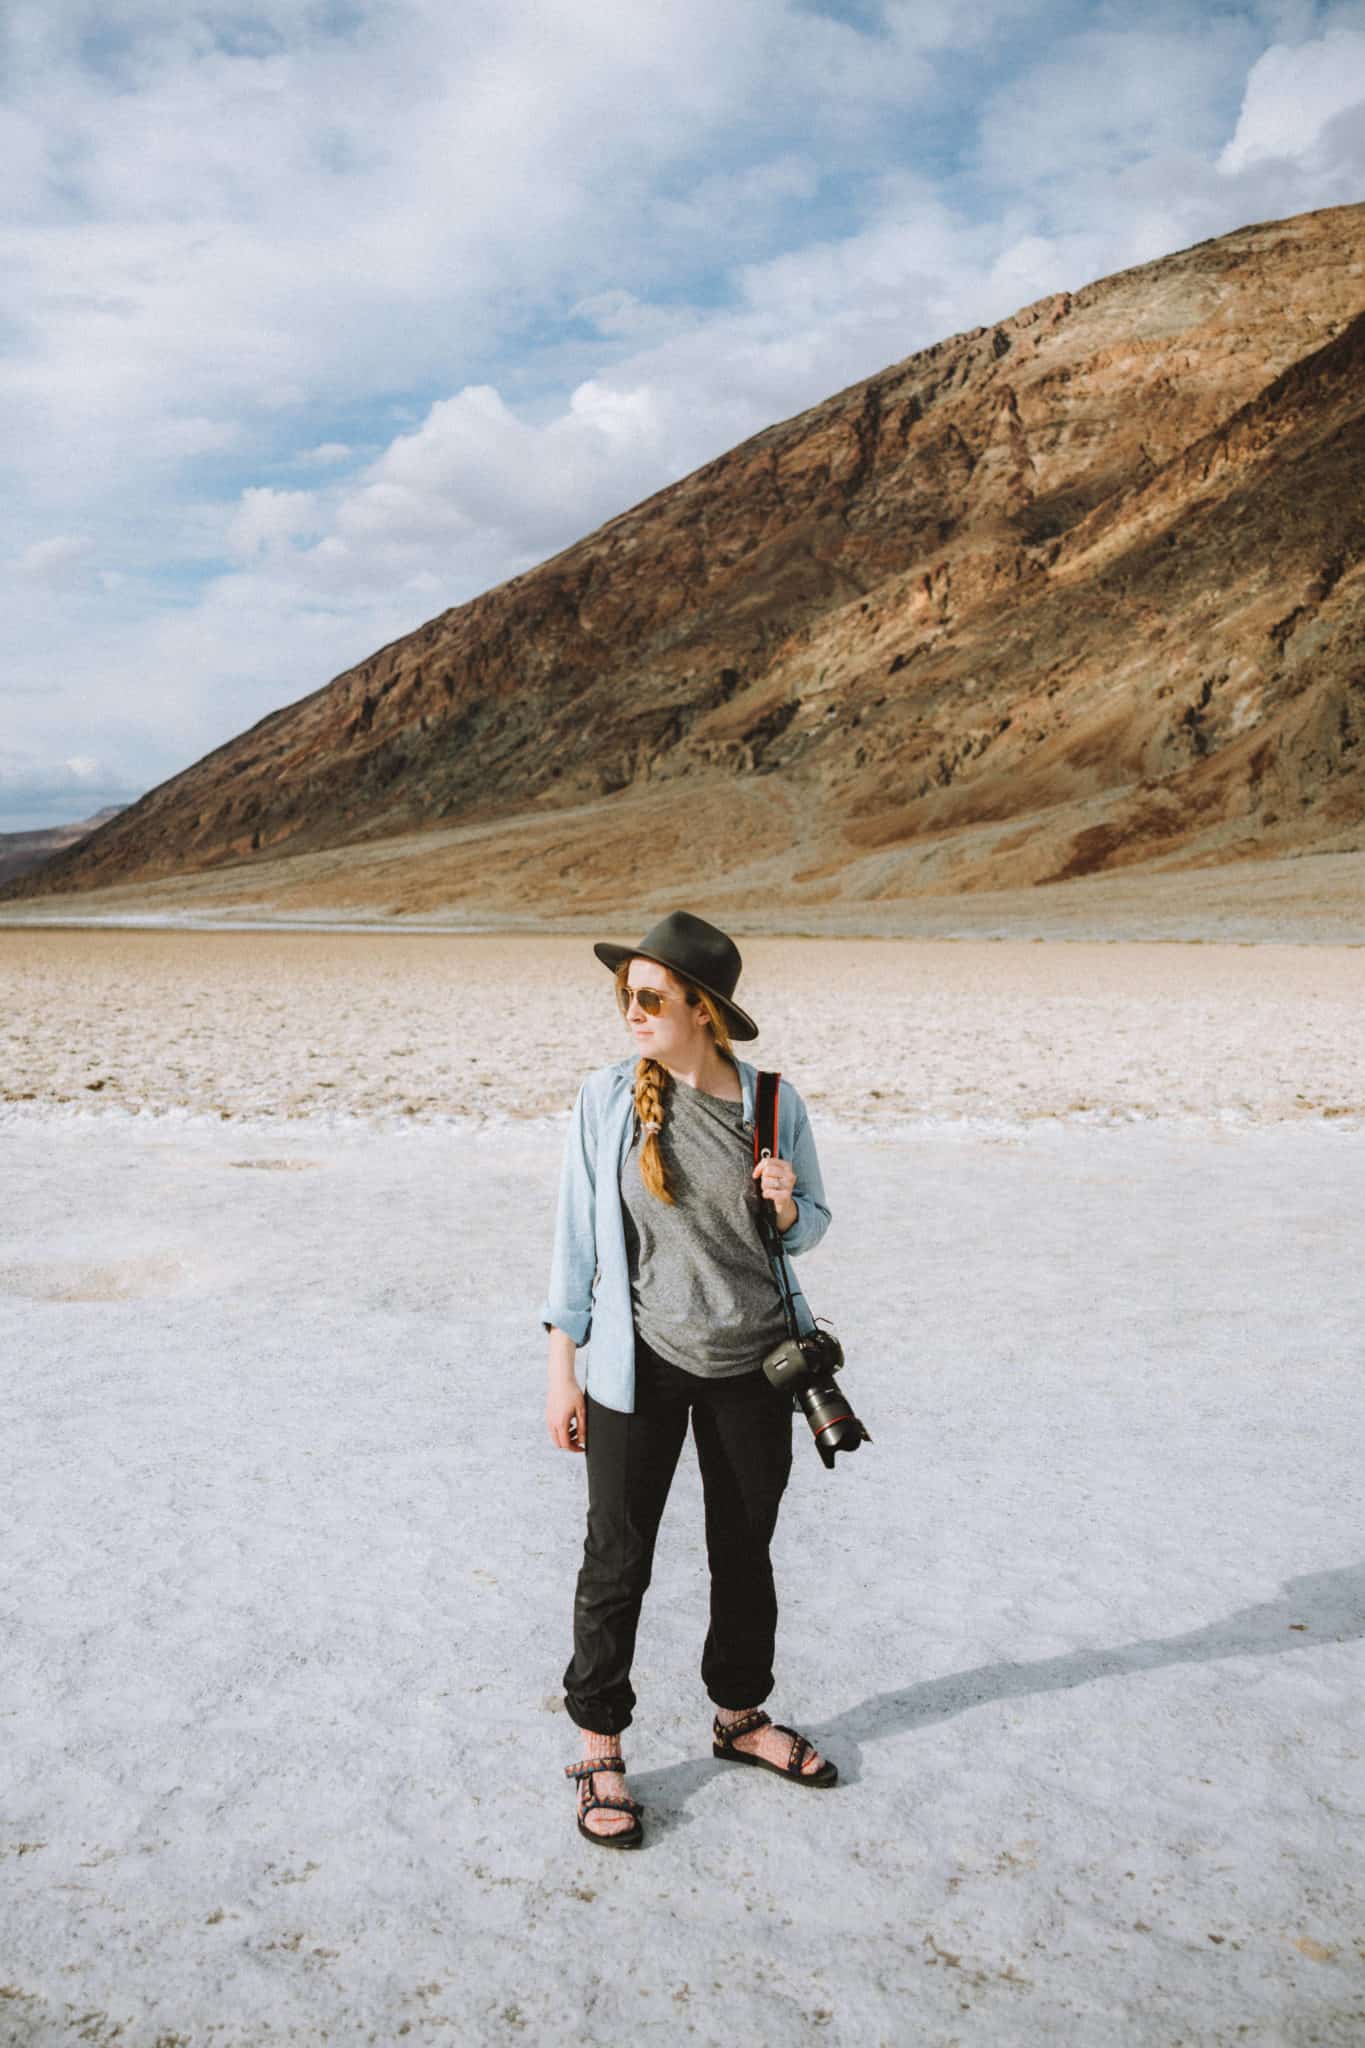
(653, 1083)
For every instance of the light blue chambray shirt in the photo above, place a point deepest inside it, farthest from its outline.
(589, 1295)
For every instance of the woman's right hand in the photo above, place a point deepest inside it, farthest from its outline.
(566, 1413)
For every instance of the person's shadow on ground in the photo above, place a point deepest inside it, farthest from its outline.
(1318, 1607)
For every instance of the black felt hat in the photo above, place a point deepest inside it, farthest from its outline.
(699, 952)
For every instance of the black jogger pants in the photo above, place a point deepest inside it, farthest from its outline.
(743, 1433)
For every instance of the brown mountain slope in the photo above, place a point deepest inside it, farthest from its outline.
(1081, 590)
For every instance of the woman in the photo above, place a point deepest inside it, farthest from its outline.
(658, 1255)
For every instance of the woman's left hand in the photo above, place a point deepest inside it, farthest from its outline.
(776, 1180)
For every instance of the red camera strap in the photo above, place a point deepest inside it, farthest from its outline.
(765, 1116)
(765, 1140)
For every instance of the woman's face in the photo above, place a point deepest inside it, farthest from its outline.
(679, 1030)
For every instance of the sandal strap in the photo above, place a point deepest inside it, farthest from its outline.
(801, 1748)
(726, 1731)
(624, 1805)
(592, 1764)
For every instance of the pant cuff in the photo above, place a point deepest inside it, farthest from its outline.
(754, 1697)
(598, 1720)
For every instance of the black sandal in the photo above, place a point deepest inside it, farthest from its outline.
(623, 1838)
(722, 1745)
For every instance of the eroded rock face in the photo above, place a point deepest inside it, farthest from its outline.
(1073, 592)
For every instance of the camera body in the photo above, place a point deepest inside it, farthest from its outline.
(812, 1357)
(804, 1366)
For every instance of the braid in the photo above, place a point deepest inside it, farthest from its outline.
(653, 1084)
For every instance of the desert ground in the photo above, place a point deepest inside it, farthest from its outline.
(290, 1558)
(415, 1026)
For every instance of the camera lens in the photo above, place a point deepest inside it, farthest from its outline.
(833, 1424)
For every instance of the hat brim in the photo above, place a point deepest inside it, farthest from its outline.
(742, 1025)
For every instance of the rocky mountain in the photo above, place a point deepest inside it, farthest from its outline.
(20, 851)
(1078, 591)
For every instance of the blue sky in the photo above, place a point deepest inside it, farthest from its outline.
(322, 315)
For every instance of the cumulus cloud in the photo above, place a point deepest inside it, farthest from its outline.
(474, 466)
(1293, 96)
(266, 520)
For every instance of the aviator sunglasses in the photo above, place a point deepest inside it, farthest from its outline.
(651, 1000)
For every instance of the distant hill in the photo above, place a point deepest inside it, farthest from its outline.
(1079, 591)
(22, 851)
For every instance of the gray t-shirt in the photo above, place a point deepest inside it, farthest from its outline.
(703, 1291)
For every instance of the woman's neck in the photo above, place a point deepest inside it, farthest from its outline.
(713, 1072)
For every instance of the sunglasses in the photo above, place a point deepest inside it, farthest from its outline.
(651, 1000)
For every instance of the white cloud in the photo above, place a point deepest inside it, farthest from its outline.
(1108, 98)
(1292, 95)
(218, 212)
(60, 559)
(327, 454)
(620, 313)
(179, 440)
(36, 790)
(267, 519)
(475, 475)
(80, 771)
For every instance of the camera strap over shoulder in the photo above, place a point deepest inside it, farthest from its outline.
(765, 1117)
(767, 1147)
(833, 1423)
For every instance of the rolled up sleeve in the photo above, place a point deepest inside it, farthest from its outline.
(812, 1210)
(573, 1263)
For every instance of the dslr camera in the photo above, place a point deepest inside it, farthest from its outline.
(805, 1366)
